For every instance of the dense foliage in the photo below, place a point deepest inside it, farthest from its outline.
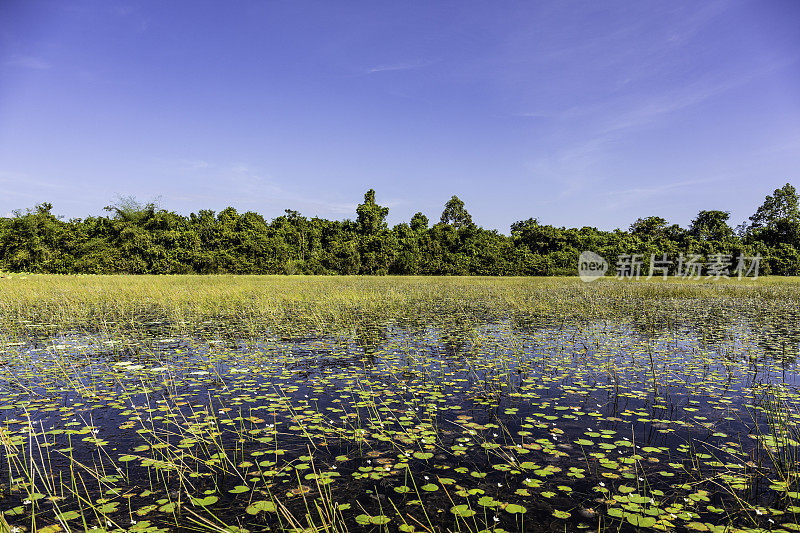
(136, 238)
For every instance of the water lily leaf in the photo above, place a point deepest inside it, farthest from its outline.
(108, 507)
(69, 515)
(639, 520)
(205, 502)
(168, 507)
(488, 501)
(261, 506)
(462, 510)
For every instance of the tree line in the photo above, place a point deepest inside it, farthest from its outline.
(142, 238)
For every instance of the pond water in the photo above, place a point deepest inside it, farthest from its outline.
(503, 426)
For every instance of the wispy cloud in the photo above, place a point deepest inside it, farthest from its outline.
(188, 165)
(638, 110)
(790, 145)
(392, 67)
(635, 195)
(28, 62)
(651, 109)
(19, 190)
(585, 160)
(249, 187)
(17, 178)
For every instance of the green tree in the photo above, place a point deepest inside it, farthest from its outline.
(649, 227)
(781, 205)
(376, 244)
(419, 222)
(34, 241)
(371, 217)
(144, 238)
(711, 226)
(776, 224)
(455, 213)
(129, 209)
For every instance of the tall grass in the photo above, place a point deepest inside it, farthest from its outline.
(256, 303)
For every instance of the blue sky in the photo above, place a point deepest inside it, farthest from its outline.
(576, 113)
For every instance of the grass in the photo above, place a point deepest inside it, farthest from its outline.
(328, 303)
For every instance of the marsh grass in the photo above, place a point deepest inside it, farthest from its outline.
(422, 404)
(301, 304)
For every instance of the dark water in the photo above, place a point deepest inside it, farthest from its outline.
(502, 426)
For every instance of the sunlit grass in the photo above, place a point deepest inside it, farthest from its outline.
(330, 302)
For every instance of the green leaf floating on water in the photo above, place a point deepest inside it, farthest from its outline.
(423, 455)
(261, 506)
(69, 515)
(513, 508)
(639, 520)
(488, 501)
(205, 502)
(462, 510)
(108, 508)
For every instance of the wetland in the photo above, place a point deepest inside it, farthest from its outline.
(268, 403)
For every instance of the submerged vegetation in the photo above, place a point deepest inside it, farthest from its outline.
(397, 404)
(143, 239)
